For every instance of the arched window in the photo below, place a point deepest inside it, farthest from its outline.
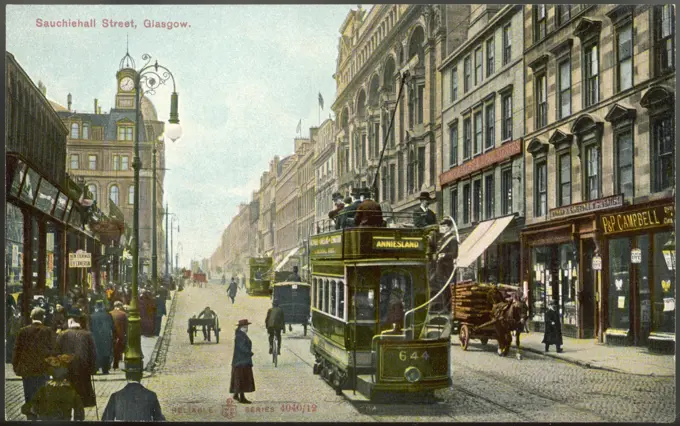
(93, 190)
(131, 194)
(75, 131)
(113, 194)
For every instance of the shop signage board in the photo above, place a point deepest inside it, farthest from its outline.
(597, 263)
(80, 259)
(636, 256)
(638, 220)
(587, 207)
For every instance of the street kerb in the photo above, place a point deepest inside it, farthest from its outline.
(151, 366)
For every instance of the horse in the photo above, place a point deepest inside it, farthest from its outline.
(511, 320)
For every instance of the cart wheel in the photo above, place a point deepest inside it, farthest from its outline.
(217, 335)
(305, 333)
(191, 337)
(484, 340)
(464, 336)
(209, 334)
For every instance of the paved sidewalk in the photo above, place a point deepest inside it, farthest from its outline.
(590, 354)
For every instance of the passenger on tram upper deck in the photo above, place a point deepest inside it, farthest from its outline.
(423, 216)
(339, 205)
(369, 212)
(346, 215)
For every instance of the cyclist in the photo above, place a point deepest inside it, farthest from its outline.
(275, 323)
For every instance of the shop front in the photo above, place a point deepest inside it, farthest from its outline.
(638, 281)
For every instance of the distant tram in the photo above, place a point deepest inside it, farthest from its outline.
(260, 276)
(373, 329)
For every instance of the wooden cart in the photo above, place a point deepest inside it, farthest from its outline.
(211, 324)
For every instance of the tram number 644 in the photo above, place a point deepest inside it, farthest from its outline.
(404, 356)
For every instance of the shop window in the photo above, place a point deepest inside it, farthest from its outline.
(541, 293)
(591, 71)
(568, 274)
(490, 126)
(664, 38)
(35, 253)
(663, 288)
(644, 289)
(506, 111)
(53, 258)
(477, 195)
(490, 57)
(489, 196)
(506, 191)
(14, 250)
(624, 163)
(663, 152)
(564, 188)
(593, 182)
(619, 283)
(624, 54)
(565, 88)
(541, 192)
(507, 44)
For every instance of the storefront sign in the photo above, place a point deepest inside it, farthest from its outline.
(636, 256)
(637, 220)
(668, 304)
(597, 263)
(587, 207)
(79, 259)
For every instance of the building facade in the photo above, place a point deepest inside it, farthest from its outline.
(599, 152)
(287, 207)
(325, 165)
(482, 126)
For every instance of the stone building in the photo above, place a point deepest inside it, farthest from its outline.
(306, 196)
(482, 126)
(600, 147)
(100, 150)
(267, 218)
(325, 165)
(372, 49)
(236, 242)
(287, 209)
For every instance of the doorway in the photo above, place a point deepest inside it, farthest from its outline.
(586, 294)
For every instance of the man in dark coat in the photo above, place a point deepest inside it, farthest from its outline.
(346, 215)
(445, 255)
(295, 276)
(423, 216)
(207, 313)
(79, 343)
(120, 323)
(160, 312)
(101, 324)
(147, 312)
(275, 322)
(553, 327)
(133, 403)
(368, 212)
(233, 288)
(242, 380)
(59, 322)
(33, 345)
(339, 205)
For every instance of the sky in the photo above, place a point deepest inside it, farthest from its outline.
(245, 76)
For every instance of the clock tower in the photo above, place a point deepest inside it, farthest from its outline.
(125, 79)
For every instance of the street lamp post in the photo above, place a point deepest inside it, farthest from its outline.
(167, 213)
(149, 77)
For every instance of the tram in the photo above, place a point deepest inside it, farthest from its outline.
(260, 269)
(374, 328)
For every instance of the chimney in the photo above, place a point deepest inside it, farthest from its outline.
(68, 102)
(99, 111)
(95, 106)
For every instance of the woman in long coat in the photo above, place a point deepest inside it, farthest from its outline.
(147, 312)
(79, 343)
(101, 324)
(553, 328)
(242, 379)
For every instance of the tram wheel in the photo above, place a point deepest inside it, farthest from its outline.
(484, 340)
(464, 336)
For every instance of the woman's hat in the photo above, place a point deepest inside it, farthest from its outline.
(243, 322)
(425, 196)
(58, 365)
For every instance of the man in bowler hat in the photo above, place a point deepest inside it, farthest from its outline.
(369, 212)
(423, 216)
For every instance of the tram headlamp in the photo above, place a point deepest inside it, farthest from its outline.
(412, 374)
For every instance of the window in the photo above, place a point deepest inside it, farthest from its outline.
(454, 204)
(563, 13)
(74, 161)
(564, 189)
(75, 131)
(490, 57)
(393, 188)
(421, 166)
(490, 128)
(421, 101)
(113, 194)
(477, 195)
(478, 132)
(92, 160)
(593, 172)
(315, 289)
(341, 299)
(86, 131)
(131, 195)
(539, 22)
(663, 152)
(116, 162)
(489, 196)
(565, 88)
(333, 298)
(124, 133)
(453, 153)
(624, 163)
(664, 38)
(507, 45)
(624, 55)
(467, 71)
(479, 59)
(506, 191)
(93, 190)
(466, 203)
(454, 84)
(506, 111)
(541, 100)
(541, 196)
(326, 295)
(467, 139)
(591, 71)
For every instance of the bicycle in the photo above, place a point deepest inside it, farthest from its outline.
(275, 350)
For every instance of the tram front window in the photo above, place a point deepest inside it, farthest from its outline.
(365, 305)
(396, 297)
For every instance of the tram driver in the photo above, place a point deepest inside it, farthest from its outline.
(391, 305)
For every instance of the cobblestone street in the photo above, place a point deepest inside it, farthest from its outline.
(192, 381)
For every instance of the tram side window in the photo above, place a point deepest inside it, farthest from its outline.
(333, 298)
(364, 305)
(319, 305)
(341, 299)
(315, 285)
(325, 296)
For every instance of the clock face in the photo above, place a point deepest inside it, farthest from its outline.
(127, 84)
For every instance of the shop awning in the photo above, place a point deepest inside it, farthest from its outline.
(287, 258)
(480, 239)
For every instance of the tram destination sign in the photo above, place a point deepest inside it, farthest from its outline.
(392, 243)
(326, 246)
(587, 207)
(80, 259)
